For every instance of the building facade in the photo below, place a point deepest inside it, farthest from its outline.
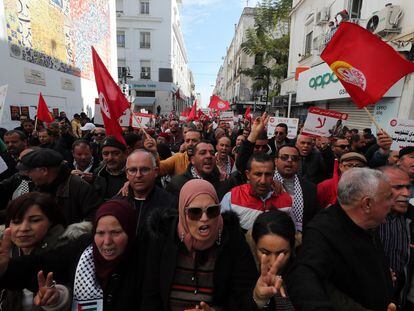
(152, 58)
(45, 46)
(232, 85)
(312, 24)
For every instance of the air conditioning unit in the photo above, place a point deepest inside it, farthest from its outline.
(386, 21)
(322, 16)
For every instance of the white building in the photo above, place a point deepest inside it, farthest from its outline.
(309, 30)
(231, 85)
(152, 52)
(45, 46)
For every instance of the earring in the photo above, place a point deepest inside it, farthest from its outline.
(218, 242)
(182, 237)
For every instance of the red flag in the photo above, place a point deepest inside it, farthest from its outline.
(248, 115)
(218, 104)
(366, 66)
(43, 113)
(193, 113)
(111, 100)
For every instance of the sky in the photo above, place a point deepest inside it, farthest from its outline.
(208, 28)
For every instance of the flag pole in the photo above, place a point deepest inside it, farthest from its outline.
(139, 124)
(35, 124)
(373, 120)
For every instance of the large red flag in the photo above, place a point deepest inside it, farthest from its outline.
(111, 100)
(43, 113)
(366, 66)
(218, 104)
(248, 115)
(193, 113)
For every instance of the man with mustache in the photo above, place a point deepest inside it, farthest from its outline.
(110, 177)
(202, 166)
(395, 234)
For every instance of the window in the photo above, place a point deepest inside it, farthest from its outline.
(145, 40)
(144, 6)
(120, 38)
(145, 69)
(355, 8)
(308, 43)
(119, 6)
(145, 93)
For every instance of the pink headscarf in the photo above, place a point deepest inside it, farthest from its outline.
(189, 191)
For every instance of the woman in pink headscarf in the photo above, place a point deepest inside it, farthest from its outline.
(198, 259)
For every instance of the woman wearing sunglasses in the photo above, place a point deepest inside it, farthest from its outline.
(199, 259)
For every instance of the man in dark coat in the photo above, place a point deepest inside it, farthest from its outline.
(339, 248)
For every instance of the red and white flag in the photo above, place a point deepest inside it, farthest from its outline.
(111, 99)
(366, 66)
(248, 115)
(218, 104)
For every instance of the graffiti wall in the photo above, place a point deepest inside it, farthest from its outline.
(58, 34)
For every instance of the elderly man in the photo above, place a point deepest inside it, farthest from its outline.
(396, 233)
(312, 166)
(223, 159)
(16, 142)
(339, 250)
(49, 174)
(406, 163)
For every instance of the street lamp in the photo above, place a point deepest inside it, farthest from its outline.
(126, 74)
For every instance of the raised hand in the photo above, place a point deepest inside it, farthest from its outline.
(258, 126)
(384, 141)
(47, 294)
(269, 283)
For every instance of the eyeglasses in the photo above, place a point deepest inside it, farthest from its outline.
(343, 146)
(195, 213)
(285, 157)
(279, 133)
(132, 171)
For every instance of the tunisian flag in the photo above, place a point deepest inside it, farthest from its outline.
(218, 104)
(43, 113)
(193, 113)
(366, 66)
(111, 100)
(248, 115)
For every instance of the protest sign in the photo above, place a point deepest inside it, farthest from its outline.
(141, 120)
(322, 122)
(291, 123)
(402, 133)
(3, 93)
(228, 117)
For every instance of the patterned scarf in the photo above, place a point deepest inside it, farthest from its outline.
(86, 286)
(224, 167)
(87, 170)
(297, 209)
(195, 174)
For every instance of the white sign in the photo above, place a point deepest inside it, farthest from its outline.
(141, 120)
(3, 166)
(402, 133)
(322, 122)
(384, 111)
(67, 84)
(291, 123)
(228, 117)
(124, 120)
(33, 76)
(321, 83)
(3, 93)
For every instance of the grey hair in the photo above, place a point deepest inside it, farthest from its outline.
(152, 156)
(357, 183)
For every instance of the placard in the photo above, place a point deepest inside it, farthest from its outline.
(141, 120)
(323, 122)
(292, 124)
(24, 111)
(228, 117)
(402, 133)
(15, 113)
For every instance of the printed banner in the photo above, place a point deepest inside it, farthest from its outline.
(292, 124)
(402, 133)
(141, 120)
(227, 116)
(322, 122)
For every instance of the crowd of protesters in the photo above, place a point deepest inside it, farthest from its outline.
(201, 216)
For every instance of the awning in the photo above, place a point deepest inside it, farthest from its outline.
(144, 101)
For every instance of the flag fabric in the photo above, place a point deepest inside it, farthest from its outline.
(193, 113)
(248, 115)
(111, 99)
(366, 66)
(218, 104)
(43, 113)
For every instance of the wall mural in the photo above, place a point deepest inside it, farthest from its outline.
(58, 34)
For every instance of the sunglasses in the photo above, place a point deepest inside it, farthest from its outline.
(279, 133)
(285, 157)
(195, 213)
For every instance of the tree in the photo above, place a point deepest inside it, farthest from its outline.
(268, 42)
